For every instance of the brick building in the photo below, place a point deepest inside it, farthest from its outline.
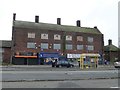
(111, 52)
(52, 40)
(5, 51)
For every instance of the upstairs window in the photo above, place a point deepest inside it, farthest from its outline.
(44, 36)
(69, 37)
(57, 37)
(30, 45)
(90, 47)
(57, 46)
(31, 35)
(79, 47)
(79, 38)
(69, 46)
(44, 45)
(90, 39)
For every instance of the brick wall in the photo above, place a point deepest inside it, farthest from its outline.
(7, 55)
(20, 40)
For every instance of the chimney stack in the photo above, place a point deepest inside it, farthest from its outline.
(14, 16)
(109, 42)
(36, 19)
(78, 23)
(95, 27)
(59, 21)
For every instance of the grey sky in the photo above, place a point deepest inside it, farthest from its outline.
(100, 13)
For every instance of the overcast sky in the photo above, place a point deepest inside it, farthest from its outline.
(100, 13)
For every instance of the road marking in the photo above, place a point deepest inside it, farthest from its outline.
(114, 87)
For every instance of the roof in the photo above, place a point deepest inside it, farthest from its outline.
(47, 26)
(5, 43)
(110, 48)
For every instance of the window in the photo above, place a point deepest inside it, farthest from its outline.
(79, 47)
(57, 37)
(31, 35)
(68, 46)
(56, 46)
(44, 36)
(90, 39)
(90, 47)
(69, 37)
(44, 45)
(30, 45)
(1, 50)
(79, 38)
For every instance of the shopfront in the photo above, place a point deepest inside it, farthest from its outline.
(46, 58)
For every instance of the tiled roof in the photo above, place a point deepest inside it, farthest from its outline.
(5, 43)
(47, 26)
(111, 48)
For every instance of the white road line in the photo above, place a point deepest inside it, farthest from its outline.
(114, 87)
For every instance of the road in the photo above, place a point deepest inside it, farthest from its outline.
(57, 75)
(103, 83)
(48, 77)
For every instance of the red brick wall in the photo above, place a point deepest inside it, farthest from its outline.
(7, 55)
(20, 40)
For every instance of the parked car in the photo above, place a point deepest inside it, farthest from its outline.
(117, 64)
(64, 63)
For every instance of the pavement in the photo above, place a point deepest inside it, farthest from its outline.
(50, 68)
(99, 66)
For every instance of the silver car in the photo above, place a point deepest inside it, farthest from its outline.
(117, 64)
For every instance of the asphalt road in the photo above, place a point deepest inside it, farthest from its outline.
(48, 77)
(57, 75)
(103, 83)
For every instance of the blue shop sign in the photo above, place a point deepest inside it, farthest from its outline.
(49, 55)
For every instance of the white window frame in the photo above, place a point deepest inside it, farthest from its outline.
(69, 37)
(57, 37)
(90, 47)
(80, 47)
(90, 39)
(44, 36)
(69, 45)
(44, 45)
(31, 35)
(79, 38)
(29, 45)
(58, 45)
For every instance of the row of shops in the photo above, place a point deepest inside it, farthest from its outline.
(46, 58)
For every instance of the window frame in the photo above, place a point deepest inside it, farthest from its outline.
(44, 44)
(31, 35)
(30, 46)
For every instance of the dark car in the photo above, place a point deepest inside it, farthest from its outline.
(64, 64)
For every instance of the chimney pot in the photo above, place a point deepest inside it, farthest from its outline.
(95, 27)
(14, 16)
(37, 19)
(109, 42)
(59, 21)
(78, 23)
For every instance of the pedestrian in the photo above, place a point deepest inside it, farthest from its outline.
(53, 63)
(105, 62)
